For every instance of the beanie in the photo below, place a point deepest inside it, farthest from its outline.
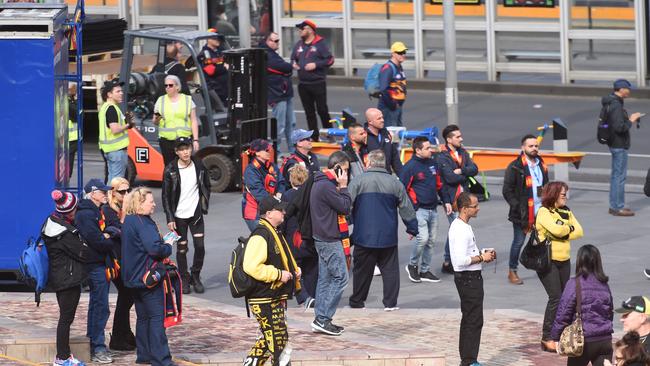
(65, 201)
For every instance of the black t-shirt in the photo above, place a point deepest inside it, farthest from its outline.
(111, 116)
(646, 343)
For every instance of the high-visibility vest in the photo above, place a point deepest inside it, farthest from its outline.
(108, 141)
(72, 131)
(175, 120)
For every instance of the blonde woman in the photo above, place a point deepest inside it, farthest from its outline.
(175, 115)
(141, 246)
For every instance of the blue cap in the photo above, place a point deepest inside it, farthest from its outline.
(96, 185)
(622, 83)
(300, 134)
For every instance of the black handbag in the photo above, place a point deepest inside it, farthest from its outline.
(536, 255)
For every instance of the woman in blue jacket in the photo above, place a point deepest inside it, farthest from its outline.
(141, 246)
(597, 309)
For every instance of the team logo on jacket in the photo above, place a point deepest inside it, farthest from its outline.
(312, 49)
(420, 176)
(432, 169)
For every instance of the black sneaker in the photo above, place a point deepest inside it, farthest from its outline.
(429, 277)
(447, 268)
(187, 288)
(412, 271)
(197, 284)
(326, 328)
(646, 272)
(342, 329)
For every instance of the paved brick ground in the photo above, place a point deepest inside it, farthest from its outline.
(213, 331)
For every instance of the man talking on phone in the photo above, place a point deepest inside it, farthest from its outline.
(619, 143)
(466, 260)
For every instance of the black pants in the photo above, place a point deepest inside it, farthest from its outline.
(469, 285)
(121, 318)
(554, 281)
(594, 352)
(68, 300)
(167, 149)
(365, 260)
(72, 152)
(196, 226)
(273, 325)
(314, 99)
(309, 279)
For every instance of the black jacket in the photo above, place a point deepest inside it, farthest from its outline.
(91, 224)
(646, 187)
(299, 207)
(451, 180)
(618, 120)
(171, 187)
(112, 220)
(384, 143)
(515, 191)
(67, 253)
(216, 74)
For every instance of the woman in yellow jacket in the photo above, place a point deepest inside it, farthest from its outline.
(556, 222)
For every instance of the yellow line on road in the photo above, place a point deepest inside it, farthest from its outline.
(23, 362)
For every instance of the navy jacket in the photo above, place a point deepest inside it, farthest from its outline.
(113, 220)
(377, 197)
(392, 83)
(619, 121)
(451, 180)
(326, 203)
(141, 246)
(309, 161)
(91, 224)
(422, 182)
(278, 77)
(597, 309)
(384, 143)
(316, 52)
(216, 74)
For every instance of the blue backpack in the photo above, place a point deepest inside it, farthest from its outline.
(34, 265)
(371, 82)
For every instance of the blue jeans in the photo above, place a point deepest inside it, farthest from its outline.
(424, 241)
(284, 114)
(116, 164)
(98, 311)
(617, 180)
(332, 278)
(451, 219)
(515, 248)
(391, 118)
(150, 337)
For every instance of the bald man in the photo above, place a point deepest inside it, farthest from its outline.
(379, 139)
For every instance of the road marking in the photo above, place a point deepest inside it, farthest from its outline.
(183, 362)
(597, 153)
(23, 362)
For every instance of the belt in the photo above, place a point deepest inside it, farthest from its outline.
(467, 274)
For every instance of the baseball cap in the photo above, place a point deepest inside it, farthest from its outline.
(271, 203)
(306, 22)
(259, 145)
(96, 185)
(300, 134)
(183, 141)
(622, 83)
(109, 85)
(640, 304)
(398, 47)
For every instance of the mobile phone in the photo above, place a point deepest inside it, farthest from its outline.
(338, 170)
(642, 115)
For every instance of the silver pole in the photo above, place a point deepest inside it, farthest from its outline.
(244, 15)
(451, 84)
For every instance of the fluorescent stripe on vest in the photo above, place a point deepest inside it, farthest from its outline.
(72, 131)
(108, 141)
(176, 118)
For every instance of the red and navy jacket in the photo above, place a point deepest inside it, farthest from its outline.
(260, 180)
(278, 77)
(422, 182)
(316, 52)
(392, 84)
(309, 161)
(216, 74)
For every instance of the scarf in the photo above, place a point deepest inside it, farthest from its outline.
(288, 261)
(270, 179)
(343, 227)
(459, 162)
(529, 190)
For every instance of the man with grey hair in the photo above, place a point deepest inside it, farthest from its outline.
(377, 197)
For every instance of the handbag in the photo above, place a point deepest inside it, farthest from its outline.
(572, 340)
(536, 254)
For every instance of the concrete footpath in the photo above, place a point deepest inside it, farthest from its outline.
(220, 334)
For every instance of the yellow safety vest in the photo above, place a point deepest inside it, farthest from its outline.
(72, 131)
(175, 120)
(108, 141)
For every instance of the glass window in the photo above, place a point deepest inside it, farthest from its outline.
(375, 44)
(593, 14)
(379, 9)
(528, 47)
(470, 46)
(168, 7)
(527, 14)
(313, 9)
(464, 12)
(333, 37)
(596, 54)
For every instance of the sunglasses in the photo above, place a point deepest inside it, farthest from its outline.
(169, 85)
(275, 40)
(401, 53)
(123, 191)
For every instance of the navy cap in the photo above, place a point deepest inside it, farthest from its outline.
(622, 83)
(183, 141)
(271, 203)
(96, 185)
(259, 145)
(300, 134)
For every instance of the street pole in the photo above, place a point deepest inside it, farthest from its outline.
(244, 14)
(451, 80)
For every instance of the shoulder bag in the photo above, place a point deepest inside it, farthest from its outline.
(536, 255)
(572, 340)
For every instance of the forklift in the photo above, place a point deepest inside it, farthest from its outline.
(224, 131)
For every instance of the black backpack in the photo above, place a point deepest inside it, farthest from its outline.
(240, 283)
(604, 132)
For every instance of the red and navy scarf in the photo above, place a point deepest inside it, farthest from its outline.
(343, 224)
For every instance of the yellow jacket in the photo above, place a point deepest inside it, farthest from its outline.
(556, 224)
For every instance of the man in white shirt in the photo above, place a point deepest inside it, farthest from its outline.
(185, 196)
(466, 260)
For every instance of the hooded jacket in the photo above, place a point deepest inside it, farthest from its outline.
(141, 246)
(325, 204)
(278, 77)
(171, 188)
(383, 142)
(618, 120)
(66, 251)
(316, 52)
(91, 224)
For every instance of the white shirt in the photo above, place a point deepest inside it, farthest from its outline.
(189, 197)
(462, 246)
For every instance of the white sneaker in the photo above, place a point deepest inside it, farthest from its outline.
(395, 308)
(377, 272)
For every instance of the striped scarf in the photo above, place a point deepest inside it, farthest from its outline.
(529, 190)
(343, 226)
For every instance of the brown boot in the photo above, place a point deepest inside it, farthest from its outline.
(514, 279)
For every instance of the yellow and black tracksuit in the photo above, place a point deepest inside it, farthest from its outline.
(267, 255)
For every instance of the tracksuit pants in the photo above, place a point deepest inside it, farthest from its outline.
(150, 337)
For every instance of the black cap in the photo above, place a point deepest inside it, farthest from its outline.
(183, 141)
(109, 85)
(271, 203)
(640, 304)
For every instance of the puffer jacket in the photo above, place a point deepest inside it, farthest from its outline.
(171, 188)
(597, 310)
(67, 253)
